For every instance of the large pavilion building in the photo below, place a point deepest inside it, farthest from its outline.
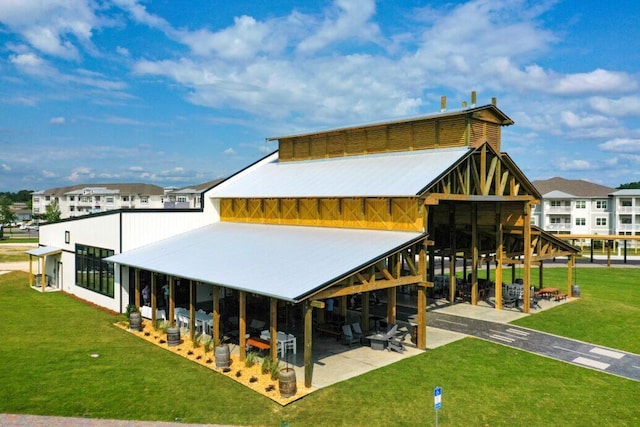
(329, 215)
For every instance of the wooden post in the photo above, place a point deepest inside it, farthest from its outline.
(609, 244)
(242, 325)
(273, 327)
(171, 308)
(215, 333)
(571, 262)
(136, 278)
(474, 254)
(308, 343)
(154, 300)
(43, 276)
(30, 270)
(343, 306)
(365, 310)
(192, 310)
(499, 254)
(541, 274)
(526, 304)
(421, 341)
(452, 255)
(391, 305)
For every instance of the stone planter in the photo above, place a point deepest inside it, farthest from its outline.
(222, 356)
(287, 382)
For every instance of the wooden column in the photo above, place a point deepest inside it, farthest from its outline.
(215, 330)
(242, 325)
(192, 310)
(499, 255)
(136, 275)
(474, 254)
(452, 255)
(365, 310)
(30, 270)
(154, 300)
(526, 305)
(343, 306)
(308, 353)
(273, 327)
(421, 341)
(609, 243)
(43, 271)
(391, 305)
(171, 308)
(571, 262)
(541, 274)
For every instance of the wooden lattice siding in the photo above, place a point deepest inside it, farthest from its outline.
(442, 132)
(372, 213)
(481, 132)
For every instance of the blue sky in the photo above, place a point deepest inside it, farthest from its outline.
(182, 92)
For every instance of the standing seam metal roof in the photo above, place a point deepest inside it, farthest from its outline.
(399, 174)
(286, 262)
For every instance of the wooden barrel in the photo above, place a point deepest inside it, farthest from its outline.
(135, 321)
(287, 382)
(173, 336)
(222, 356)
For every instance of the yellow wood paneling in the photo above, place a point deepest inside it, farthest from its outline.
(336, 145)
(424, 135)
(376, 140)
(301, 149)
(356, 142)
(318, 147)
(451, 132)
(372, 213)
(285, 149)
(400, 137)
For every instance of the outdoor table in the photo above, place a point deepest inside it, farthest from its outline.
(547, 292)
(258, 343)
(378, 341)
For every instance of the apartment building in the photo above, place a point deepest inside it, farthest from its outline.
(575, 207)
(626, 211)
(188, 197)
(83, 199)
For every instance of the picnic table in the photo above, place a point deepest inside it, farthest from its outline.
(547, 292)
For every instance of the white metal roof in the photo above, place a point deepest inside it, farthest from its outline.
(287, 262)
(398, 174)
(43, 250)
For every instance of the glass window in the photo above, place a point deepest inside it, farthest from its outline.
(601, 221)
(72, 198)
(144, 199)
(601, 204)
(182, 198)
(36, 199)
(625, 202)
(109, 199)
(92, 272)
(581, 221)
(556, 203)
(581, 204)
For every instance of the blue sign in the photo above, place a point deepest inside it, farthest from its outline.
(437, 397)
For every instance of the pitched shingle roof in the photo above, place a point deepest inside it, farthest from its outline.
(575, 187)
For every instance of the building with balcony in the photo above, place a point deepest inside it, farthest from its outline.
(188, 197)
(573, 207)
(626, 212)
(83, 199)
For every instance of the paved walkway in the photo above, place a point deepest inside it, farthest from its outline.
(12, 420)
(586, 355)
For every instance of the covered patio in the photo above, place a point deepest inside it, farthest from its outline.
(293, 270)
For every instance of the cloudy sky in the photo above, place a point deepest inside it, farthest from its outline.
(182, 92)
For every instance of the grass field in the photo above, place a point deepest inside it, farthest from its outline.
(46, 368)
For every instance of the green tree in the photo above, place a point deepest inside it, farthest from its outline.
(629, 186)
(53, 212)
(7, 216)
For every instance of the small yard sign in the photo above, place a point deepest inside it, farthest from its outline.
(437, 397)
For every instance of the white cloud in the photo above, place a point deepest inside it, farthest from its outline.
(573, 120)
(597, 81)
(57, 121)
(349, 19)
(5, 167)
(229, 151)
(574, 165)
(49, 174)
(620, 107)
(80, 174)
(51, 26)
(122, 51)
(622, 145)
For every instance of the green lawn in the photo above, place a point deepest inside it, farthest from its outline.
(46, 368)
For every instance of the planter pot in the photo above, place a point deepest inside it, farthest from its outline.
(135, 321)
(287, 382)
(222, 356)
(173, 336)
